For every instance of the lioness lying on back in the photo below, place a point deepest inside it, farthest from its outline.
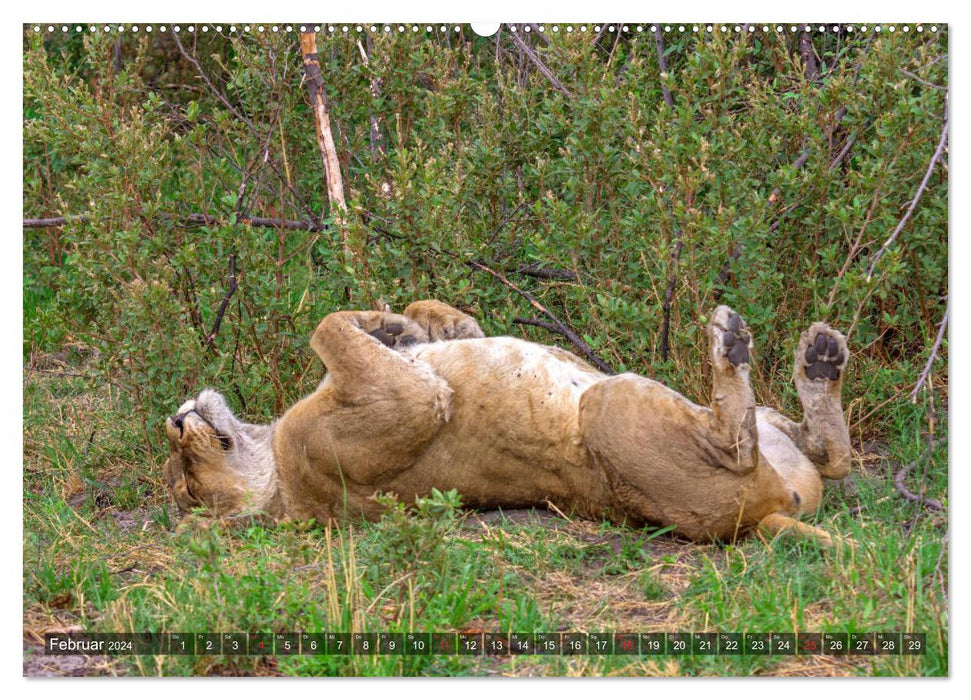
(422, 400)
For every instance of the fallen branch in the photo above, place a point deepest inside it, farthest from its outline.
(557, 326)
(933, 356)
(913, 203)
(230, 290)
(898, 483)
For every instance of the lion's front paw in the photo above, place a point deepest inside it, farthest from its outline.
(398, 332)
(730, 338)
(443, 322)
(823, 352)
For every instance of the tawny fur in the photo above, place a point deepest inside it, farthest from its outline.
(422, 400)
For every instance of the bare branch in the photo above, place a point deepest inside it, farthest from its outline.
(528, 51)
(913, 204)
(197, 219)
(662, 62)
(559, 326)
(921, 80)
(230, 290)
(325, 139)
(55, 221)
(541, 35)
(679, 244)
(933, 355)
(808, 55)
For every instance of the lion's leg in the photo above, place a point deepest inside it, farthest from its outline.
(377, 408)
(442, 322)
(821, 358)
(779, 525)
(732, 425)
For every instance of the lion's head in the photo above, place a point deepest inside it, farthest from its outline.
(216, 462)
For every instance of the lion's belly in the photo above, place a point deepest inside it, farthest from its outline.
(513, 437)
(792, 466)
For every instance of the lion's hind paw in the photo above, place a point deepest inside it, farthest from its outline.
(731, 337)
(823, 352)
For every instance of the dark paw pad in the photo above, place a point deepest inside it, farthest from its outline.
(824, 357)
(383, 336)
(397, 335)
(736, 340)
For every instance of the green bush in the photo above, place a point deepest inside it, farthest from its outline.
(489, 161)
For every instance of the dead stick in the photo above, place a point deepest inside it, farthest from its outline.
(561, 327)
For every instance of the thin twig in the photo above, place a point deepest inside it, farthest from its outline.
(505, 221)
(933, 356)
(843, 151)
(259, 222)
(560, 327)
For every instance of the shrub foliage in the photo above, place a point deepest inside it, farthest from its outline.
(629, 194)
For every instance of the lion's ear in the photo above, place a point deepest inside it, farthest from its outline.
(381, 305)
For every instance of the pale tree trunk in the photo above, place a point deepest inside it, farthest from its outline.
(325, 140)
